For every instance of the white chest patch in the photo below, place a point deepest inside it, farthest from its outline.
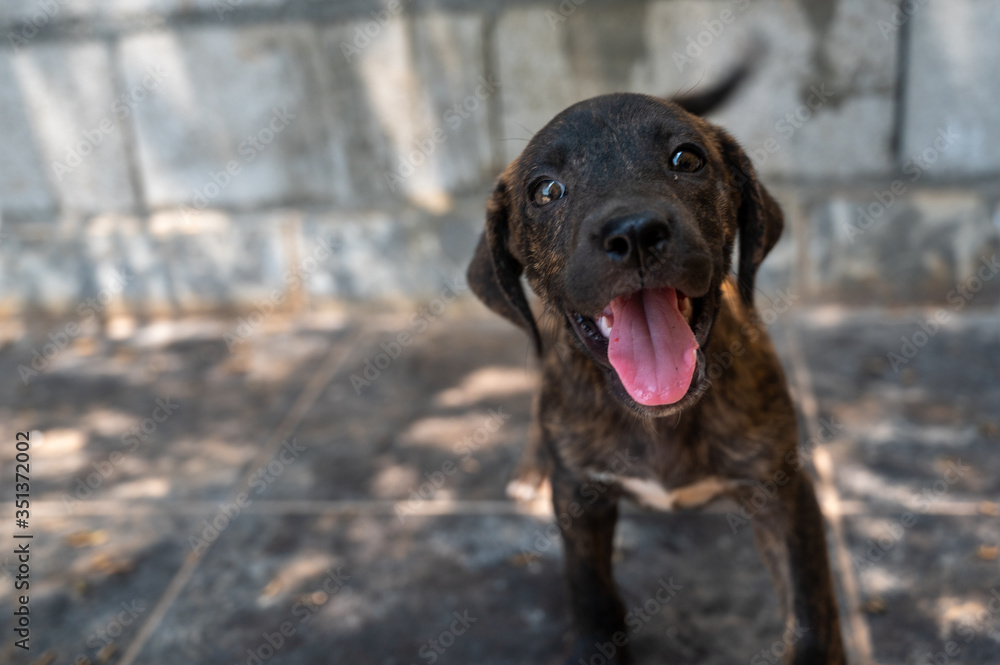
(649, 493)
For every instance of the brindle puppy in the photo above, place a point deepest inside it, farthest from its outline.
(623, 212)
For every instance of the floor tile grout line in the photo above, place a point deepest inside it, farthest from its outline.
(319, 382)
(305, 401)
(436, 507)
(823, 463)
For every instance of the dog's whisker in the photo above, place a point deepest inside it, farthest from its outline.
(530, 133)
(693, 86)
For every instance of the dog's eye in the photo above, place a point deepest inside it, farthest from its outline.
(687, 159)
(547, 191)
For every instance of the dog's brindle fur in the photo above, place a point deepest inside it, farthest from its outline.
(732, 430)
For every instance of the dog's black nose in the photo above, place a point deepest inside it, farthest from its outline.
(638, 238)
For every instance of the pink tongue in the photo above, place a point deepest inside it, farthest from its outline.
(652, 347)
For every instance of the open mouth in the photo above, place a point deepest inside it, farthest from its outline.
(649, 338)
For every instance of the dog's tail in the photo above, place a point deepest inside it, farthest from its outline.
(705, 101)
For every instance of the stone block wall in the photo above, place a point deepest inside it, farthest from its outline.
(213, 153)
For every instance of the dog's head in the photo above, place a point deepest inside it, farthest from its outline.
(623, 212)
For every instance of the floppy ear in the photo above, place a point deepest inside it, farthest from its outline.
(759, 218)
(495, 275)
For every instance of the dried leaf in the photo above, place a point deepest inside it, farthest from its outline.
(874, 605)
(988, 552)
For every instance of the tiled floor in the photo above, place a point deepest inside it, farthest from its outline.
(374, 527)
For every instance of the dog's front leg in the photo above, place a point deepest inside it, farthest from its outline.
(790, 535)
(587, 513)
